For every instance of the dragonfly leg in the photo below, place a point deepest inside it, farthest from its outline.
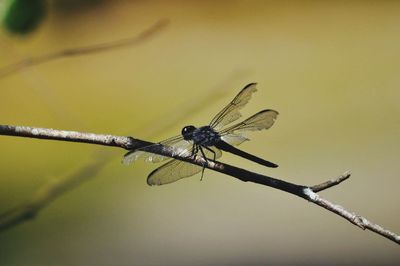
(195, 150)
(205, 159)
(213, 152)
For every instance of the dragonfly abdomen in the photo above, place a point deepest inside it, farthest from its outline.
(229, 148)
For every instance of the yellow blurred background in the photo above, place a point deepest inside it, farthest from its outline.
(331, 69)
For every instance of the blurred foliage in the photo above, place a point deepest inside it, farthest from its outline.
(23, 16)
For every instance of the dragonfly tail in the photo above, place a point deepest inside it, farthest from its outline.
(229, 148)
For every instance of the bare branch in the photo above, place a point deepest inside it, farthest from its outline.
(331, 183)
(33, 61)
(19, 215)
(130, 143)
(74, 136)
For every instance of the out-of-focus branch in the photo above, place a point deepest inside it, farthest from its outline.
(20, 215)
(85, 50)
(49, 192)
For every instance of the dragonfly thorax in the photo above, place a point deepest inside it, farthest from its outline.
(204, 136)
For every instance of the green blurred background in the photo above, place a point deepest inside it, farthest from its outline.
(331, 68)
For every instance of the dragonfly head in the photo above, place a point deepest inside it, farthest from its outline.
(187, 132)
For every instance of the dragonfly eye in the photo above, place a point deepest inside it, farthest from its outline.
(187, 132)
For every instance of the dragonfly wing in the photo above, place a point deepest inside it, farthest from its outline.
(261, 120)
(171, 172)
(231, 112)
(180, 146)
(135, 155)
(176, 169)
(234, 139)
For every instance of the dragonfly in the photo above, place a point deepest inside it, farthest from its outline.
(208, 141)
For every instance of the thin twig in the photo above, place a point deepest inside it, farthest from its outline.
(130, 143)
(331, 183)
(85, 50)
(354, 218)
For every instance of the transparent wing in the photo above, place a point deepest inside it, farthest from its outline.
(234, 139)
(231, 112)
(171, 172)
(178, 143)
(261, 120)
(175, 169)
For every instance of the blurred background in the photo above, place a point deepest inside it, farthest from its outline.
(331, 68)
